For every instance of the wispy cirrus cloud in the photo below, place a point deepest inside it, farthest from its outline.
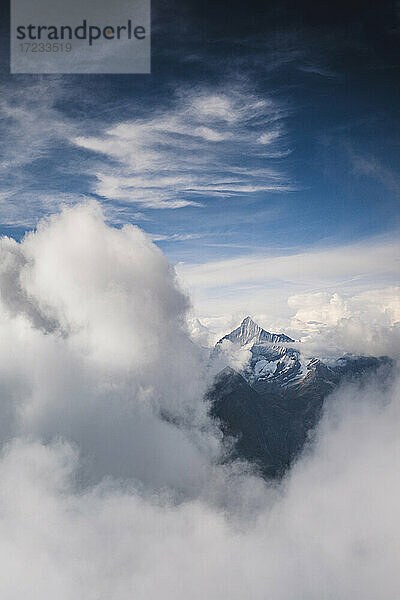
(175, 237)
(30, 122)
(33, 129)
(207, 143)
(216, 143)
(377, 259)
(371, 166)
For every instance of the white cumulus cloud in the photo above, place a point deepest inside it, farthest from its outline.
(110, 481)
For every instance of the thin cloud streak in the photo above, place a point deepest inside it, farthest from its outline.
(353, 262)
(194, 148)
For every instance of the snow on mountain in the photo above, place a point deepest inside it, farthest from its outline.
(270, 401)
(272, 361)
(250, 332)
(271, 358)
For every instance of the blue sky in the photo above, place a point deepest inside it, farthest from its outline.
(266, 134)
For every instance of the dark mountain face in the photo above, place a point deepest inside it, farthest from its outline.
(260, 426)
(272, 406)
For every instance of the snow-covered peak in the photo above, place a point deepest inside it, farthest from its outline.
(249, 332)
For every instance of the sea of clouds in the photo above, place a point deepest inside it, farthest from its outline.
(113, 483)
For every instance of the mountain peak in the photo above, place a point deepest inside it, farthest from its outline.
(249, 332)
(248, 320)
(250, 325)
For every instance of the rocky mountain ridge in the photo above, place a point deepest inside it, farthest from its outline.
(272, 405)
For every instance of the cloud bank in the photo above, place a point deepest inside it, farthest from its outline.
(96, 327)
(367, 323)
(111, 483)
(340, 299)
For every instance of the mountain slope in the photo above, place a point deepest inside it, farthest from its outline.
(250, 332)
(273, 404)
(273, 358)
(262, 429)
